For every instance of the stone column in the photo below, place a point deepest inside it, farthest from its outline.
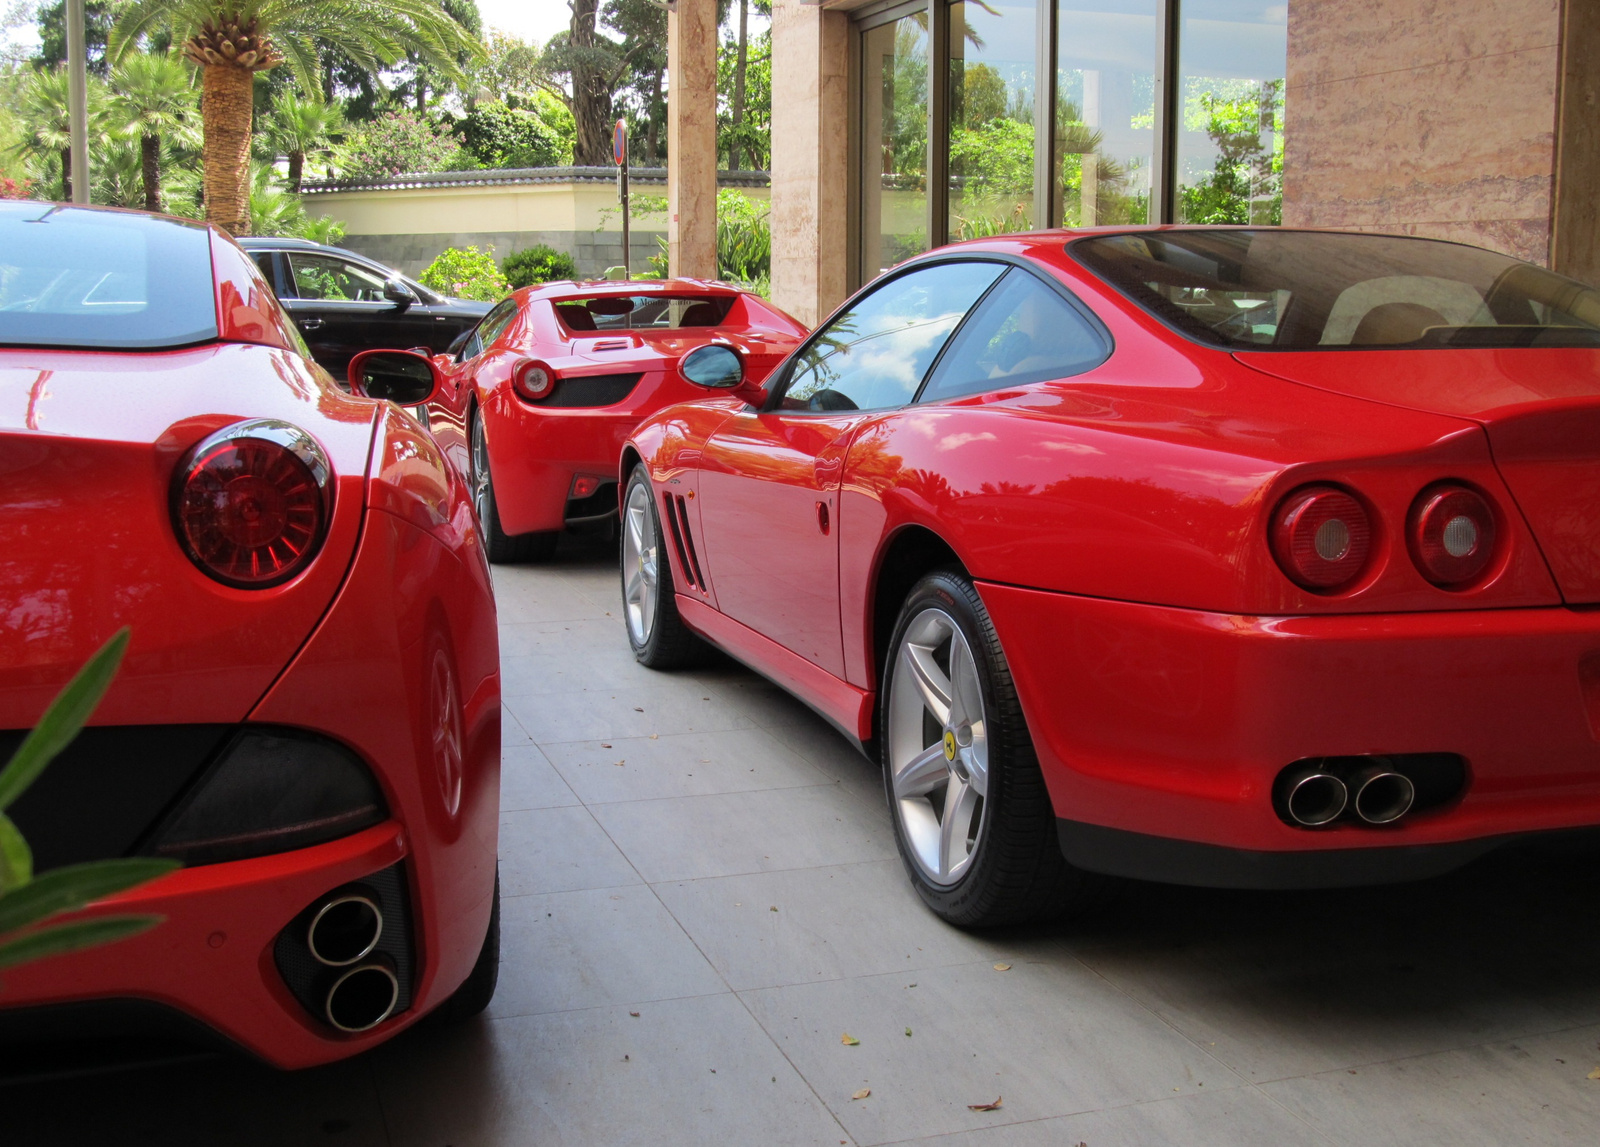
(810, 158)
(692, 139)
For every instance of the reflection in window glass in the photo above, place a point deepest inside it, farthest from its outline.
(1024, 332)
(875, 354)
(322, 277)
(894, 157)
(1232, 59)
(991, 79)
(643, 312)
(1105, 111)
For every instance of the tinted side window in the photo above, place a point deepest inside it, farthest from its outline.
(492, 327)
(324, 277)
(1023, 332)
(875, 354)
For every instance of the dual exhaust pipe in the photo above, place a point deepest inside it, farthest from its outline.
(1314, 796)
(343, 935)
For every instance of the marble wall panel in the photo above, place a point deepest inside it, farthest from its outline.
(1424, 116)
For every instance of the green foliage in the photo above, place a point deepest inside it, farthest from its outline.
(276, 210)
(499, 136)
(27, 903)
(744, 238)
(1246, 183)
(753, 135)
(302, 129)
(993, 159)
(466, 273)
(398, 142)
(540, 264)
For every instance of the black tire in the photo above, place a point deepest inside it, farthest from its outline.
(657, 634)
(1011, 869)
(477, 989)
(502, 548)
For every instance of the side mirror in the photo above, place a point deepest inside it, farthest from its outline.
(716, 366)
(396, 291)
(404, 377)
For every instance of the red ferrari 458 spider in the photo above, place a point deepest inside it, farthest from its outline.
(537, 403)
(1254, 558)
(308, 716)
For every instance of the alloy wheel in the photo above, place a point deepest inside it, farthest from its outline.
(938, 746)
(640, 555)
(480, 471)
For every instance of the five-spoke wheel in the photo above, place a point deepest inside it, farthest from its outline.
(657, 634)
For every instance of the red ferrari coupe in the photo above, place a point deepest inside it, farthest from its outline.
(308, 716)
(1255, 558)
(542, 395)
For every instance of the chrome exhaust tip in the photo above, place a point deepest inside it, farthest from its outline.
(344, 930)
(1382, 796)
(362, 998)
(1316, 799)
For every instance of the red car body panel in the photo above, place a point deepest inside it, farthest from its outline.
(536, 450)
(1116, 523)
(386, 644)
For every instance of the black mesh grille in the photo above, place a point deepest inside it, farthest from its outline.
(592, 390)
(100, 796)
(310, 981)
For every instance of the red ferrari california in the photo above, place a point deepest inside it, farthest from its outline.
(539, 400)
(1252, 558)
(308, 715)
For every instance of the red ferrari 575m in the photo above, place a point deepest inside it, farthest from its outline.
(537, 403)
(308, 715)
(1254, 558)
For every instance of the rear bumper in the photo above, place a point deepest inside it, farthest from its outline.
(1158, 727)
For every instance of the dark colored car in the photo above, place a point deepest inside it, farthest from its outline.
(345, 303)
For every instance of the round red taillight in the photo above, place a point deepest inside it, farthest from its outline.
(1321, 537)
(1451, 534)
(251, 503)
(533, 380)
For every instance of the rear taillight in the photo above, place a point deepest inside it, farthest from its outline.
(1321, 537)
(533, 380)
(251, 503)
(1451, 534)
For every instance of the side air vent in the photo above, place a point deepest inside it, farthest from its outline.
(688, 541)
(592, 390)
(677, 540)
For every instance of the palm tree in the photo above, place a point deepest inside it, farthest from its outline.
(298, 128)
(153, 96)
(233, 41)
(47, 123)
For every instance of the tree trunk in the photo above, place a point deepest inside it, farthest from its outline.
(591, 95)
(297, 166)
(422, 93)
(66, 175)
(150, 162)
(652, 138)
(738, 85)
(225, 109)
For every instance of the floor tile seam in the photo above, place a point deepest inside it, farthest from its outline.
(934, 966)
(811, 868)
(758, 871)
(1451, 1050)
(703, 796)
(1295, 1115)
(504, 895)
(545, 757)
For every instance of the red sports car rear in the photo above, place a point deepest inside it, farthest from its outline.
(308, 714)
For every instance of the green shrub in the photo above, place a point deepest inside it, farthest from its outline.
(466, 273)
(540, 264)
(501, 136)
(398, 142)
(744, 238)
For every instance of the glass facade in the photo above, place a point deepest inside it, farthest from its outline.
(1159, 111)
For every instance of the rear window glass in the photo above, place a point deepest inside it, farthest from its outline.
(643, 312)
(71, 277)
(1303, 290)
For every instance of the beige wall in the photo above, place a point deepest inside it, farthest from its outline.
(1434, 117)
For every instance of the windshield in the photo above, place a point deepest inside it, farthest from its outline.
(1304, 290)
(71, 277)
(643, 312)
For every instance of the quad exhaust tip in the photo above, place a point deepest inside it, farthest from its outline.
(344, 930)
(362, 997)
(1382, 796)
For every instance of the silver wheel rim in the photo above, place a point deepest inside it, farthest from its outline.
(938, 746)
(480, 471)
(640, 568)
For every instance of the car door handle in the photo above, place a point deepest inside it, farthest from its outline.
(310, 324)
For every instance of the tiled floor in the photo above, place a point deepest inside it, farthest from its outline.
(703, 898)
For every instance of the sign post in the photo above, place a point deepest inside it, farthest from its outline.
(619, 152)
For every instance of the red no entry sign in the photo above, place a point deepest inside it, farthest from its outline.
(619, 142)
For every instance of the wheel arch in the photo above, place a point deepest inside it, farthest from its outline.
(908, 555)
(630, 459)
